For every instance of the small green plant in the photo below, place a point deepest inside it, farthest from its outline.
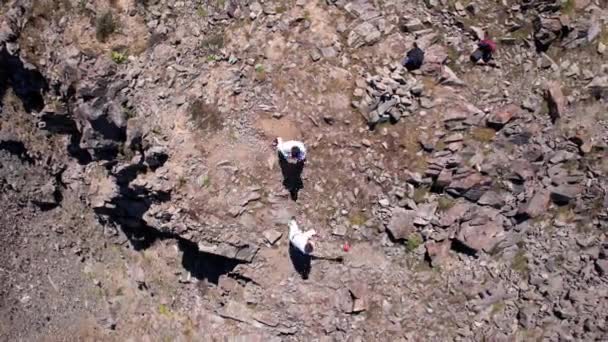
(118, 57)
(105, 25)
(520, 263)
(413, 242)
(211, 58)
(420, 194)
(181, 182)
(202, 12)
(497, 308)
(82, 5)
(213, 43)
(282, 8)
(260, 72)
(204, 181)
(205, 116)
(306, 15)
(129, 113)
(569, 7)
(444, 203)
(163, 310)
(483, 134)
(357, 219)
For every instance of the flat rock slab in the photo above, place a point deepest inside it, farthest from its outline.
(537, 205)
(272, 236)
(243, 253)
(481, 237)
(402, 223)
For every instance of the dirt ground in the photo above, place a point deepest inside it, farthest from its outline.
(71, 272)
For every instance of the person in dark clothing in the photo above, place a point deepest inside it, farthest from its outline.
(414, 58)
(485, 49)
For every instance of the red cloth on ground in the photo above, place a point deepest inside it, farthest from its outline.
(489, 44)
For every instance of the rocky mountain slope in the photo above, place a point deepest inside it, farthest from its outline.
(142, 198)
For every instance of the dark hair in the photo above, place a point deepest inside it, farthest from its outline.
(308, 248)
(295, 152)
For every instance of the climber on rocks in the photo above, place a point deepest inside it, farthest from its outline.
(292, 156)
(300, 248)
(301, 240)
(485, 50)
(414, 58)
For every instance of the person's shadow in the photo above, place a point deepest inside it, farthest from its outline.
(292, 176)
(300, 261)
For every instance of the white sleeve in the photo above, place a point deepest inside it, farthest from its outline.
(293, 229)
(284, 150)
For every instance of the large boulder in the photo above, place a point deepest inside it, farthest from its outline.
(565, 194)
(549, 29)
(537, 205)
(363, 34)
(467, 184)
(482, 234)
(556, 101)
(502, 116)
(401, 225)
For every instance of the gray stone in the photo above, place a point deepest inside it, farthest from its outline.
(412, 25)
(537, 205)
(503, 115)
(236, 311)
(481, 237)
(401, 225)
(329, 52)
(255, 10)
(425, 213)
(339, 230)
(156, 156)
(556, 100)
(444, 178)
(448, 77)
(594, 31)
(564, 194)
(272, 236)
(363, 34)
(315, 54)
(454, 214)
(492, 199)
(602, 267)
(47, 196)
(385, 106)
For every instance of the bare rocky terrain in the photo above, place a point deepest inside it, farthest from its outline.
(142, 199)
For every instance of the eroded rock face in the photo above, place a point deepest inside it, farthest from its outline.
(555, 100)
(508, 207)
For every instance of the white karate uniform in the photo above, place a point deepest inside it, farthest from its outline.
(298, 238)
(284, 147)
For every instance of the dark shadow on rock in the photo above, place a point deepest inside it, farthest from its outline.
(292, 176)
(301, 262)
(129, 207)
(28, 83)
(459, 247)
(16, 148)
(202, 265)
(64, 124)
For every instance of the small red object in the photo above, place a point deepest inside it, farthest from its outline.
(346, 247)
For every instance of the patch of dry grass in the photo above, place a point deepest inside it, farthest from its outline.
(105, 26)
(482, 134)
(520, 263)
